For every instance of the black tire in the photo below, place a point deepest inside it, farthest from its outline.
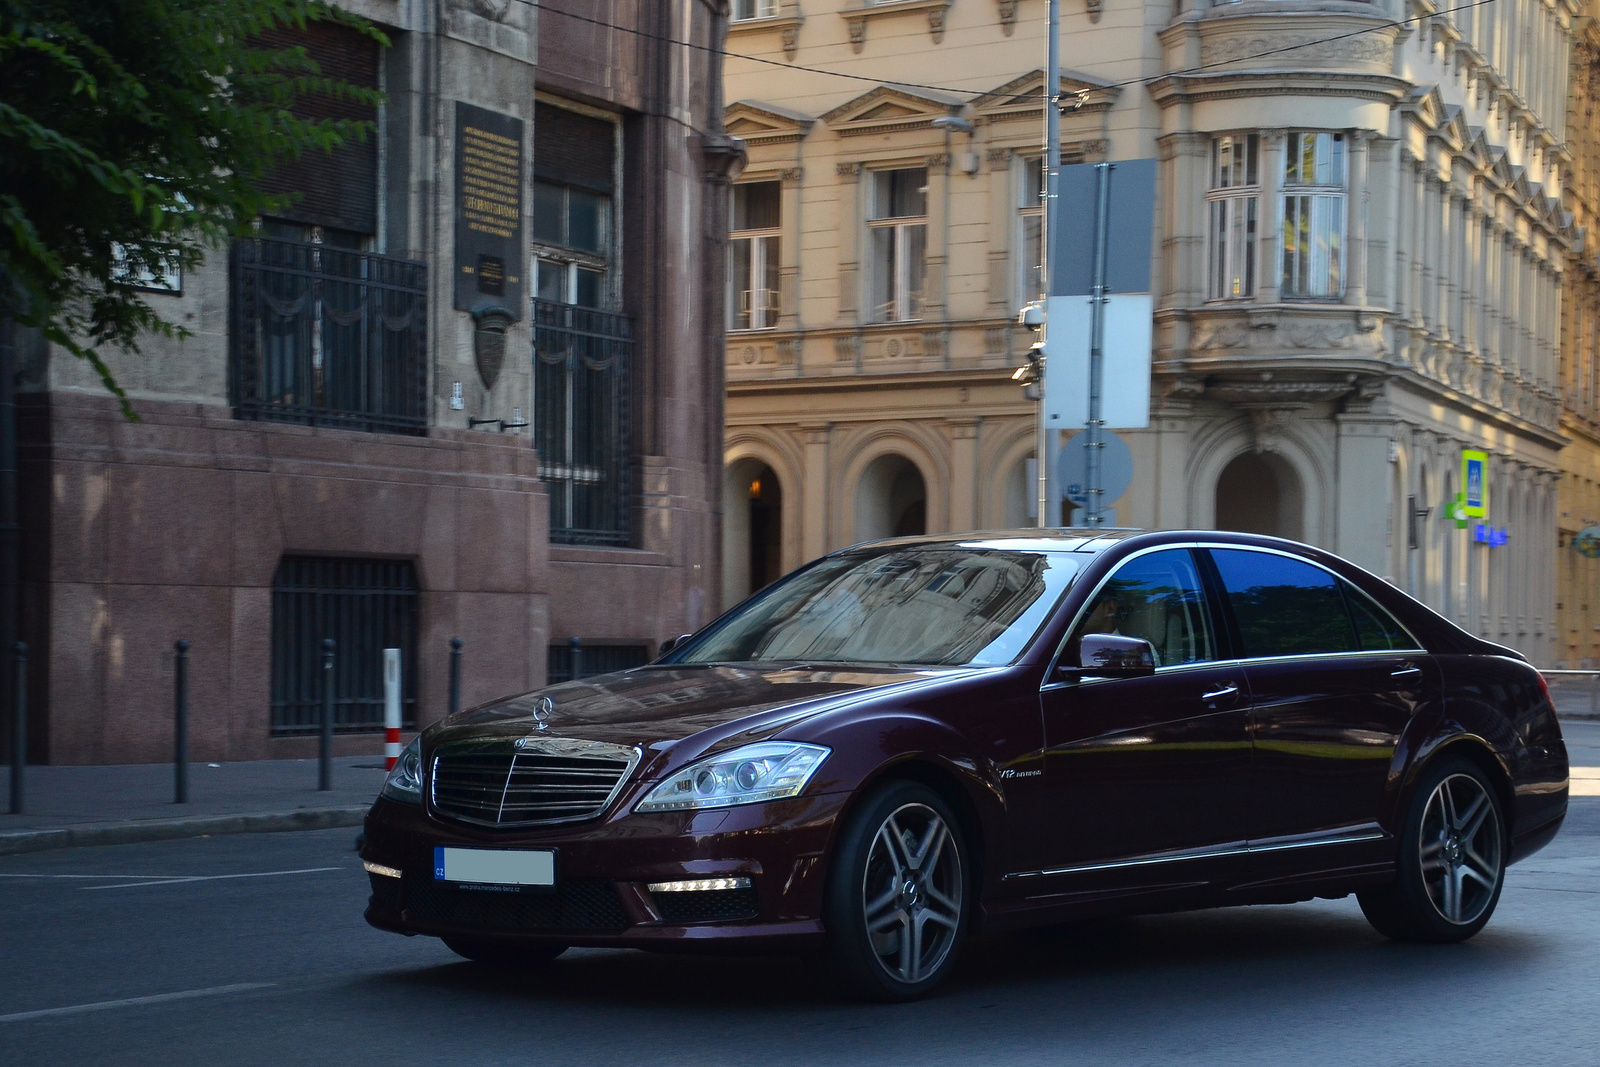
(509, 954)
(901, 861)
(1452, 861)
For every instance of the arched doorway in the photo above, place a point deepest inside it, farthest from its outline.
(1021, 504)
(891, 500)
(752, 530)
(1260, 493)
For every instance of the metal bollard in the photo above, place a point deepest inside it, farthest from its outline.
(391, 708)
(325, 751)
(19, 728)
(180, 724)
(575, 657)
(455, 675)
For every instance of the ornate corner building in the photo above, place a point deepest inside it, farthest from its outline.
(1361, 246)
(469, 385)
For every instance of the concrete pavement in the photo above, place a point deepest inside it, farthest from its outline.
(74, 806)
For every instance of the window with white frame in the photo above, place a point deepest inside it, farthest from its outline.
(744, 10)
(898, 231)
(571, 233)
(1030, 231)
(753, 244)
(1233, 205)
(1313, 214)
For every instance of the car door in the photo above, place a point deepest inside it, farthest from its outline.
(1143, 774)
(1334, 679)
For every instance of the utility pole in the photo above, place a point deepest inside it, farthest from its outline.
(1048, 492)
(1093, 480)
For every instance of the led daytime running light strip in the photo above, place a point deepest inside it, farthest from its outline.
(699, 885)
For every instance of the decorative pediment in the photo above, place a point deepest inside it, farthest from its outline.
(758, 123)
(1453, 127)
(1426, 105)
(1479, 149)
(888, 108)
(1500, 166)
(1023, 98)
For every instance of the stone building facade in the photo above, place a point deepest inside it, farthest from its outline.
(1359, 252)
(1578, 572)
(382, 433)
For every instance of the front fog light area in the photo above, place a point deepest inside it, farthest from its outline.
(771, 770)
(405, 781)
(699, 885)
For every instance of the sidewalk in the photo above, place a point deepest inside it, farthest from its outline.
(66, 807)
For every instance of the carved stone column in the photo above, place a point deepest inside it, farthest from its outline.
(1270, 212)
(1360, 196)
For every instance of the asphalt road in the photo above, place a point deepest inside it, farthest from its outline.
(251, 950)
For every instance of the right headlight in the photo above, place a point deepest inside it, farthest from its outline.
(405, 781)
(769, 770)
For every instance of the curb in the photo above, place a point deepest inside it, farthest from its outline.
(19, 841)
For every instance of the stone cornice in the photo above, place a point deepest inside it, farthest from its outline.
(1175, 89)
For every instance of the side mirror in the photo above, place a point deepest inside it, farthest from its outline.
(1115, 656)
(671, 643)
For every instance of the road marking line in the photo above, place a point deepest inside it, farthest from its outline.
(96, 876)
(212, 878)
(159, 998)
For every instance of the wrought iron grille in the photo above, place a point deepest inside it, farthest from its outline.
(580, 422)
(366, 606)
(325, 336)
(596, 659)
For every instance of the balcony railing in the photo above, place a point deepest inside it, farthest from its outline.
(580, 420)
(325, 336)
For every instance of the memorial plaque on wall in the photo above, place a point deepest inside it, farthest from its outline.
(489, 184)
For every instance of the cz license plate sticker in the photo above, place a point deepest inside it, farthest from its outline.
(522, 867)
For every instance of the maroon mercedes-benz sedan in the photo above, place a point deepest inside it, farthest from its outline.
(906, 742)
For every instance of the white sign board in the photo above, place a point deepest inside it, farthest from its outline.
(1125, 385)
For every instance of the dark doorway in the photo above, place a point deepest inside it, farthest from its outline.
(766, 528)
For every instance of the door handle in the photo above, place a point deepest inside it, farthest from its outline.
(1406, 672)
(1228, 690)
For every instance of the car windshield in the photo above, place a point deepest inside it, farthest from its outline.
(946, 604)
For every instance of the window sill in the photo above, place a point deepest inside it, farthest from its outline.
(626, 557)
(787, 24)
(856, 18)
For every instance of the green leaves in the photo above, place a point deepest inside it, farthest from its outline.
(135, 134)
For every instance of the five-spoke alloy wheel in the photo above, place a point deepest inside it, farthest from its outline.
(1452, 860)
(897, 895)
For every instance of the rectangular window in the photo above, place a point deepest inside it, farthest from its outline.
(572, 229)
(1233, 205)
(1313, 215)
(753, 245)
(365, 606)
(744, 10)
(898, 231)
(1030, 220)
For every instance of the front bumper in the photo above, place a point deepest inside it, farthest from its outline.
(603, 871)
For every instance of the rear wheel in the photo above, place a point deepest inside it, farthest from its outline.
(897, 895)
(504, 953)
(1452, 860)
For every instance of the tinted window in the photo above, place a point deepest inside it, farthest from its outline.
(1159, 598)
(1284, 607)
(1376, 629)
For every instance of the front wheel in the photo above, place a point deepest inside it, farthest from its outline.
(508, 954)
(897, 895)
(1452, 861)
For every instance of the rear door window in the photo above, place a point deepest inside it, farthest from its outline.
(1376, 629)
(1284, 606)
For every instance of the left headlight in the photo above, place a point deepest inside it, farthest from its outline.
(770, 770)
(405, 781)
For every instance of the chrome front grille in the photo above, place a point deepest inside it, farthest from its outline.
(533, 781)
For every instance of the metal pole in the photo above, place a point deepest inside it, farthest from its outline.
(19, 726)
(575, 651)
(325, 749)
(10, 539)
(391, 708)
(1097, 331)
(180, 724)
(1049, 498)
(455, 675)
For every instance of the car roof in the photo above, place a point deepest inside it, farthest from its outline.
(1081, 539)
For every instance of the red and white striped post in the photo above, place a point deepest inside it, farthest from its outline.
(391, 707)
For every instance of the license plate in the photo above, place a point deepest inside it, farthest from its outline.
(530, 867)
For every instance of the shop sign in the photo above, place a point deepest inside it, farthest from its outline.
(1493, 536)
(1587, 542)
(1475, 491)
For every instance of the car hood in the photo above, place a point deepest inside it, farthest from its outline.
(655, 707)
